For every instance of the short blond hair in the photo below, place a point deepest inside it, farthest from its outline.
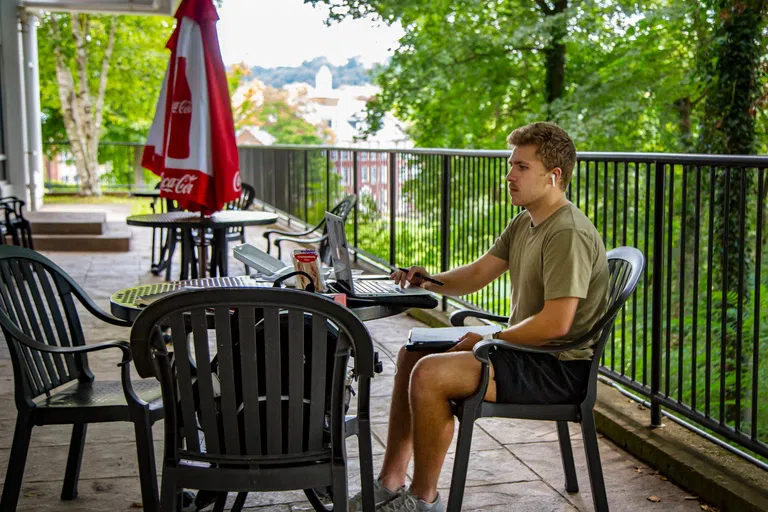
(554, 147)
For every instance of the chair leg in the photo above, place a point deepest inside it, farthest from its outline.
(340, 497)
(147, 470)
(16, 463)
(594, 466)
(571, 482)
(461, 462)
(221, 500)
(171, 499)
(171, 251)
(239, 502)
(75, 458)
(365, 447)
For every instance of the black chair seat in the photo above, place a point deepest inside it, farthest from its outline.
(104, 394)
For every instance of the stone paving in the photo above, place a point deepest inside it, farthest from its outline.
(515, 465)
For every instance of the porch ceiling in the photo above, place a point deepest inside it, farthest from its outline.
(165, 7)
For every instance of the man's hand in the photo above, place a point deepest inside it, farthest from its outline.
(466, 342)
(409, 278)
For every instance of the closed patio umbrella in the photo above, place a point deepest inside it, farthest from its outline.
(191, 143)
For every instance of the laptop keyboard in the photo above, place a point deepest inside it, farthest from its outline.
(371, 286)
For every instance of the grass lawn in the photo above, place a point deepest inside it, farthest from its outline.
(139, 205)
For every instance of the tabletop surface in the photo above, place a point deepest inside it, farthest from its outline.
(123, 302)
(217, 219)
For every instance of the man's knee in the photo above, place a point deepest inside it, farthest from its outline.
(427, 374)
(406, 359)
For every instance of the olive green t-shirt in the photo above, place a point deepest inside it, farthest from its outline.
(563, 256)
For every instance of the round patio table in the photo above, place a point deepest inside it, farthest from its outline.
(123, 302)
(217, 222)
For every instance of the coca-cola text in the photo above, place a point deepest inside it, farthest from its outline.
(178, 185)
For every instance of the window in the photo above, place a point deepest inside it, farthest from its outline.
(343, 175)
(334, 155)
(363, 155)
(384, 173)
(383, 196)
(365, 174)
(373, 174)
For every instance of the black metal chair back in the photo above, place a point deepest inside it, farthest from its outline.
(47, 345)
(258, 418)
(343, 209)
(17, 226)
(37, 298)
(625, 265)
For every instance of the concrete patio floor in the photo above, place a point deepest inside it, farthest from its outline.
(515, 465)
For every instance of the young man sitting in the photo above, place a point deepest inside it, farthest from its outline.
(559, 280)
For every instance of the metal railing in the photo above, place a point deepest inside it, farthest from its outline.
(692, 338)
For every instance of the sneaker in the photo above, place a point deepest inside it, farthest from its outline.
(407, 502)
(381, 496)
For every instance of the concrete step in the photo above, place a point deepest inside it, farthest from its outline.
(67, 223)
(114, 239)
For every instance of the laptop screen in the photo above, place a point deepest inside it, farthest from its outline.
(337, 241)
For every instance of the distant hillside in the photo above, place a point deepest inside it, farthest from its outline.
(351, 73)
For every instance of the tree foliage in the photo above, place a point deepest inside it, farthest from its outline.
(468, 72)
(90, 92)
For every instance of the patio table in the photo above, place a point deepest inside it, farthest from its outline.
(217, 222)
(123, 302)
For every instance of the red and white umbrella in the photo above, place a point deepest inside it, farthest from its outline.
(191, 144)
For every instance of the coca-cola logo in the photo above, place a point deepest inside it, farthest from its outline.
(182, 185)
(236, 183)
(181, 107)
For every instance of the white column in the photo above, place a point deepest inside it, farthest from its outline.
(32, 97)
(14, 119)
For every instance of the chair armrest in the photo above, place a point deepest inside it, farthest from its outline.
(457, 318)
(84, 349)
(288, 233)
(299, 240)
(483, 349)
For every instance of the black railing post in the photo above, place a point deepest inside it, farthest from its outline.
(306, 186)
(355, 191)
(327, 179)
(392, 207)
(658, 260)
(445, 219)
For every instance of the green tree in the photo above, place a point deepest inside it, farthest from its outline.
(99, 79)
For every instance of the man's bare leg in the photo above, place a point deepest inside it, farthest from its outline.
(399, 438)
(436, 380)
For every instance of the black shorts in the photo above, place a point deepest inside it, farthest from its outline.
(528, 378)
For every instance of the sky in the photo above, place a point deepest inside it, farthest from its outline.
(272, 33)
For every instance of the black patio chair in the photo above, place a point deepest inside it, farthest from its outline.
(16, 225)
(343, 209)
(267, 415)
(626, 266)
(46, 342)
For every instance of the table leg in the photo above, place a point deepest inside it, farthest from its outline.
(220, 248)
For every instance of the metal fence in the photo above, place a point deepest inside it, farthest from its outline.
(693, 337)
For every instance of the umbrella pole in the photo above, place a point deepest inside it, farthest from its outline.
(203, 253)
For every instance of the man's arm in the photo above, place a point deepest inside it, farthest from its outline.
(459, 281)
(551, 323)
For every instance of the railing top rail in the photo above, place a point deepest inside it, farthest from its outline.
(593, 156)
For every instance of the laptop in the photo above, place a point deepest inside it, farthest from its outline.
(362, 288)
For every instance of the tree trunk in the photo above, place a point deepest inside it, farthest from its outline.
(82, 117)
(554, 52)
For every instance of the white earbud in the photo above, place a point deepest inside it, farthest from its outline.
(553, 181)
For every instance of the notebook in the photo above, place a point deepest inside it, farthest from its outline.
(443, 338)
(337, 242)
